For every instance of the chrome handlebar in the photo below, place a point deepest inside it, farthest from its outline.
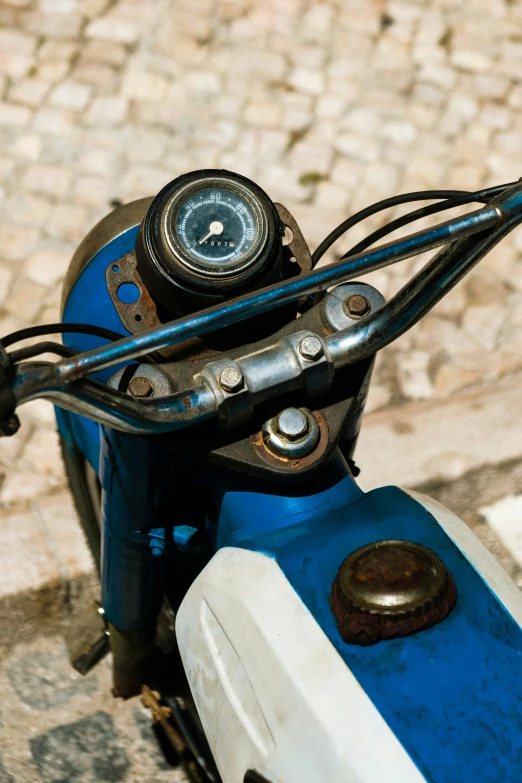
(281, 367)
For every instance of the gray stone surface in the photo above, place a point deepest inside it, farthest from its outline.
(44, 680)
(71, 729)
(87, 751)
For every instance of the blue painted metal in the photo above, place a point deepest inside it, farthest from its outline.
(89, 302)
(128, 293)
(183, 535)
(157, 541)
(133, 475)
(451, 694)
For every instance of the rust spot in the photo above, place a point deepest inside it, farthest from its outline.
(142, 314)
(390, 589)
(301, 462)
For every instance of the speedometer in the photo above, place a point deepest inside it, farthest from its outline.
(218, 229)
(212, 232)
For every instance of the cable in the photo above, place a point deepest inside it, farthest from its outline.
(35, 350)
(480, 195)
(40, 331)
(421, 195)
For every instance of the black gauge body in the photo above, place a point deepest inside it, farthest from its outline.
(208, 236)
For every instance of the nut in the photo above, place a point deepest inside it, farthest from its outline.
(292, 424)
(231, 380)
(140, 387)
(311, 348)
(357, 305)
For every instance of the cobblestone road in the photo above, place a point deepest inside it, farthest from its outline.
(328, 105)
(58, 727)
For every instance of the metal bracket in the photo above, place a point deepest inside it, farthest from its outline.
(234, 407)
(142, 314)
(135, 316)
(297, 246)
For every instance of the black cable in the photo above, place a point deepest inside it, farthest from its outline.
(483, 196)
(36, 350)
(421, 195)
(40, 331)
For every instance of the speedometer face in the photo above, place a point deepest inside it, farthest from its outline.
(217, 228)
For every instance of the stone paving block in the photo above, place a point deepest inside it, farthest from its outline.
(50, 180)
(69, 95)
(24, 549)
(87, 751)
(29, 91)
(44, 679)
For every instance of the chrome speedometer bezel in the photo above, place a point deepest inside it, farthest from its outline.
(171, 238)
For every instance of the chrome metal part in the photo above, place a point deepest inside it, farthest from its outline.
(311, 348)
(147, 376)
(292, 423)
(281, 367)
(231, 380)
(334, 310)
(233, 407)
(416, 298)
(266, 299)
(267, 373)
(292, 434)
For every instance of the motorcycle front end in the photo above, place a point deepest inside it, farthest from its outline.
(292, 626)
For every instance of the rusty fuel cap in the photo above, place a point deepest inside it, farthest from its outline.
(389, 589)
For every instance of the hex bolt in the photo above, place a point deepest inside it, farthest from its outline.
(231, 380)
(357, 305)
(311, 348)
(292, 424)
(140, 387)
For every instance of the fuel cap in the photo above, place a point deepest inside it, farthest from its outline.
(389, 589)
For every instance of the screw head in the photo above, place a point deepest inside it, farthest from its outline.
(140, 387)
(357, 306)
(311, 348)
(231, 379)
(292, 424)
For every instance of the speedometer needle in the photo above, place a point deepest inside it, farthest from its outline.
(215, 228)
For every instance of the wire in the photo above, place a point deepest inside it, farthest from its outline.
(36, 350)
(379, 206)
(40, 331)
(480, 195)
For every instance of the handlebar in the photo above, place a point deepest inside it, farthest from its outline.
(465, 241)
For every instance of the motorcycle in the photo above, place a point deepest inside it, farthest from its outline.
(281, 624)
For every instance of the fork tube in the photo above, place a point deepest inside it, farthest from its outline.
(132, 473)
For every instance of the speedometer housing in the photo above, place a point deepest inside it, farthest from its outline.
(207, 236)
